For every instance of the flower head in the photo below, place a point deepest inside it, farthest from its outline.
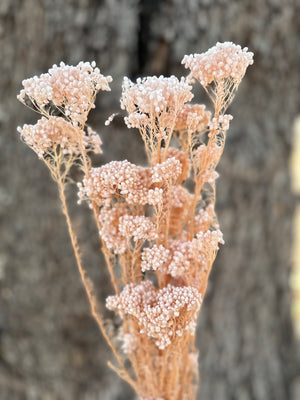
(161, 314)
(50, 133)
(223, 61)
(70, 89)
(193, 117)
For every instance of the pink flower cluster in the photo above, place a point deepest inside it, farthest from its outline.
(153, 95)
(220, 123)
(223, 61)
(182, 157)
(109, 220)
(119, 178)
(135, 184)
(118, 226)
(49, 133)
(181, 197)
(167, 172)
(182, 257)
(204, 219)
(92, 141)
(161, 314)
(70, 89)
(192, 117)
(138, 227)
(154, 98)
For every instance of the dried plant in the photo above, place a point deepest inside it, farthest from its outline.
(158, 227)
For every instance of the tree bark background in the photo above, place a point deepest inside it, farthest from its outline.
(50, 347)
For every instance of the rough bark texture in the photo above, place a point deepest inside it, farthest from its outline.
(50, 347)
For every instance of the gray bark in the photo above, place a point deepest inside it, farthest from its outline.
(50, 347)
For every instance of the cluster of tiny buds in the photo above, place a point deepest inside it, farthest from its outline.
(155, 196)
(138, 227)
(223, 61)
(210, 238)
(153, 103)
(181, 197)
(178, 257)
(155, 258)
(109, 232)
(49, 133)
(193, 117)
(204, 218)
(135, 184)
(92, 141)
(154, 94)
(167, 172)
(184, 160)
(115, 177)
(220, 123)
(71, 89)
(209, 176)
(160, 313)
(118, 227)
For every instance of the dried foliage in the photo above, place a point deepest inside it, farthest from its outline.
(159, 237)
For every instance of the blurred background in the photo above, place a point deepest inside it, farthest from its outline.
(50, 347)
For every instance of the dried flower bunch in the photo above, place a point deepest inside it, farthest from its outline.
(159, 231)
